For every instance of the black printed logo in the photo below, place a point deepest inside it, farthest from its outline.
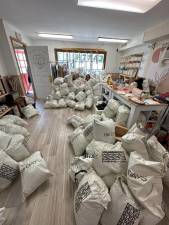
(129, 216)
(82, 193)
(113, 156)
(136, 176)
(8, 172)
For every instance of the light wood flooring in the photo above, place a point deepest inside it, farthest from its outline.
(52, 203)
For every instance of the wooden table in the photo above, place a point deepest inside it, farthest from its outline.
(135, 109)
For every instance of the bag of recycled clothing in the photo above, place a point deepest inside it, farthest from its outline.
(89, 102)
(29, 111)
(123, 208)
(89, 92)
(80, 106)
(70, 103)
(57, 95)
(111, 109)
(49, 98)
(90, 199)
(52, 104)
(34, 172)
(135, 142)
(122, 115)
(64, 90)
(104, 131)
(11, 128)
(78, 141)
(108, 160)
(88, 132)
(8, 170)
(90, 119)
(97, 90)
(80, 96)
(2, 215)
(58, 80)
(75, 121)
(79, 167)
(144, 180)
(62, 103)
(68, 79)
(71, 96)
(15, 119)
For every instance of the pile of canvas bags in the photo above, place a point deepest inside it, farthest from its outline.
(77, 94)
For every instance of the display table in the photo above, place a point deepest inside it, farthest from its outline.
(135, 108)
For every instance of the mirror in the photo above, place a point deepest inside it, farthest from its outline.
(24, 69)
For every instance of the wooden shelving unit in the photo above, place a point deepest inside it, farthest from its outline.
(6, 111)
(130, 65)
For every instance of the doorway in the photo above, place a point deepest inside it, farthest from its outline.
(24, 68)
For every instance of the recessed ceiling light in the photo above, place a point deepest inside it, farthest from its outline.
(112, 40)
(55, 36)
(138, 6)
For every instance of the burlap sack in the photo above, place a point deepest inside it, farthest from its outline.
(123, 209)
(104, 131)
(34, 172)
(90, 199)
(145, 183)
(8, 170)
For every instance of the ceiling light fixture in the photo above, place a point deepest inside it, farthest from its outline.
(112, 40)
(55, 36)
(138, 6)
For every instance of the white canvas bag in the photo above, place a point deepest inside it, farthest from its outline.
(29, 111)
(104, 131)
(79, 167)
(144, 179)
(122, 115)
(8, 170)
(2, 215)
(75, 121)
(34, 172)
(89, 102)
(80, 106)
(123, 208)
(90, 119)
(88, 132)
(80, 96)
(90, 199)
(111, 109)
(52, 104)
(16, 120)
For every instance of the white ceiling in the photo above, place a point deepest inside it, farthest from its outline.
(86, 24)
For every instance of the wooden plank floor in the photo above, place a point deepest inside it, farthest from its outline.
(52, 203)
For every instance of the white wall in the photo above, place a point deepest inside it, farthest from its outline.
(112, 55)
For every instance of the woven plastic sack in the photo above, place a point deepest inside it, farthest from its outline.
(89, 92)
(109, 160)
(4, 140)
(90, 199)
(89, 102)
(144, 179)
(122, 115)
(111, 109)
(62, 103)
(29, 111)
(8, 170)
(58, 80)
(80, 96)
(78, 141)
(34, 172)
(80, 106)
(15, 119)
(11, 128)
(75, 121)
(64, 91)
(52, 104)
(123, 209)
(104, 131)
(2, 215)
(79, 167)
(68, 79)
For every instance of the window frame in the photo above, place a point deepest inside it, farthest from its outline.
(82, 50)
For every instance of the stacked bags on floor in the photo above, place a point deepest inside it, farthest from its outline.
(127, 175)
(15, 158)
(78, 94)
